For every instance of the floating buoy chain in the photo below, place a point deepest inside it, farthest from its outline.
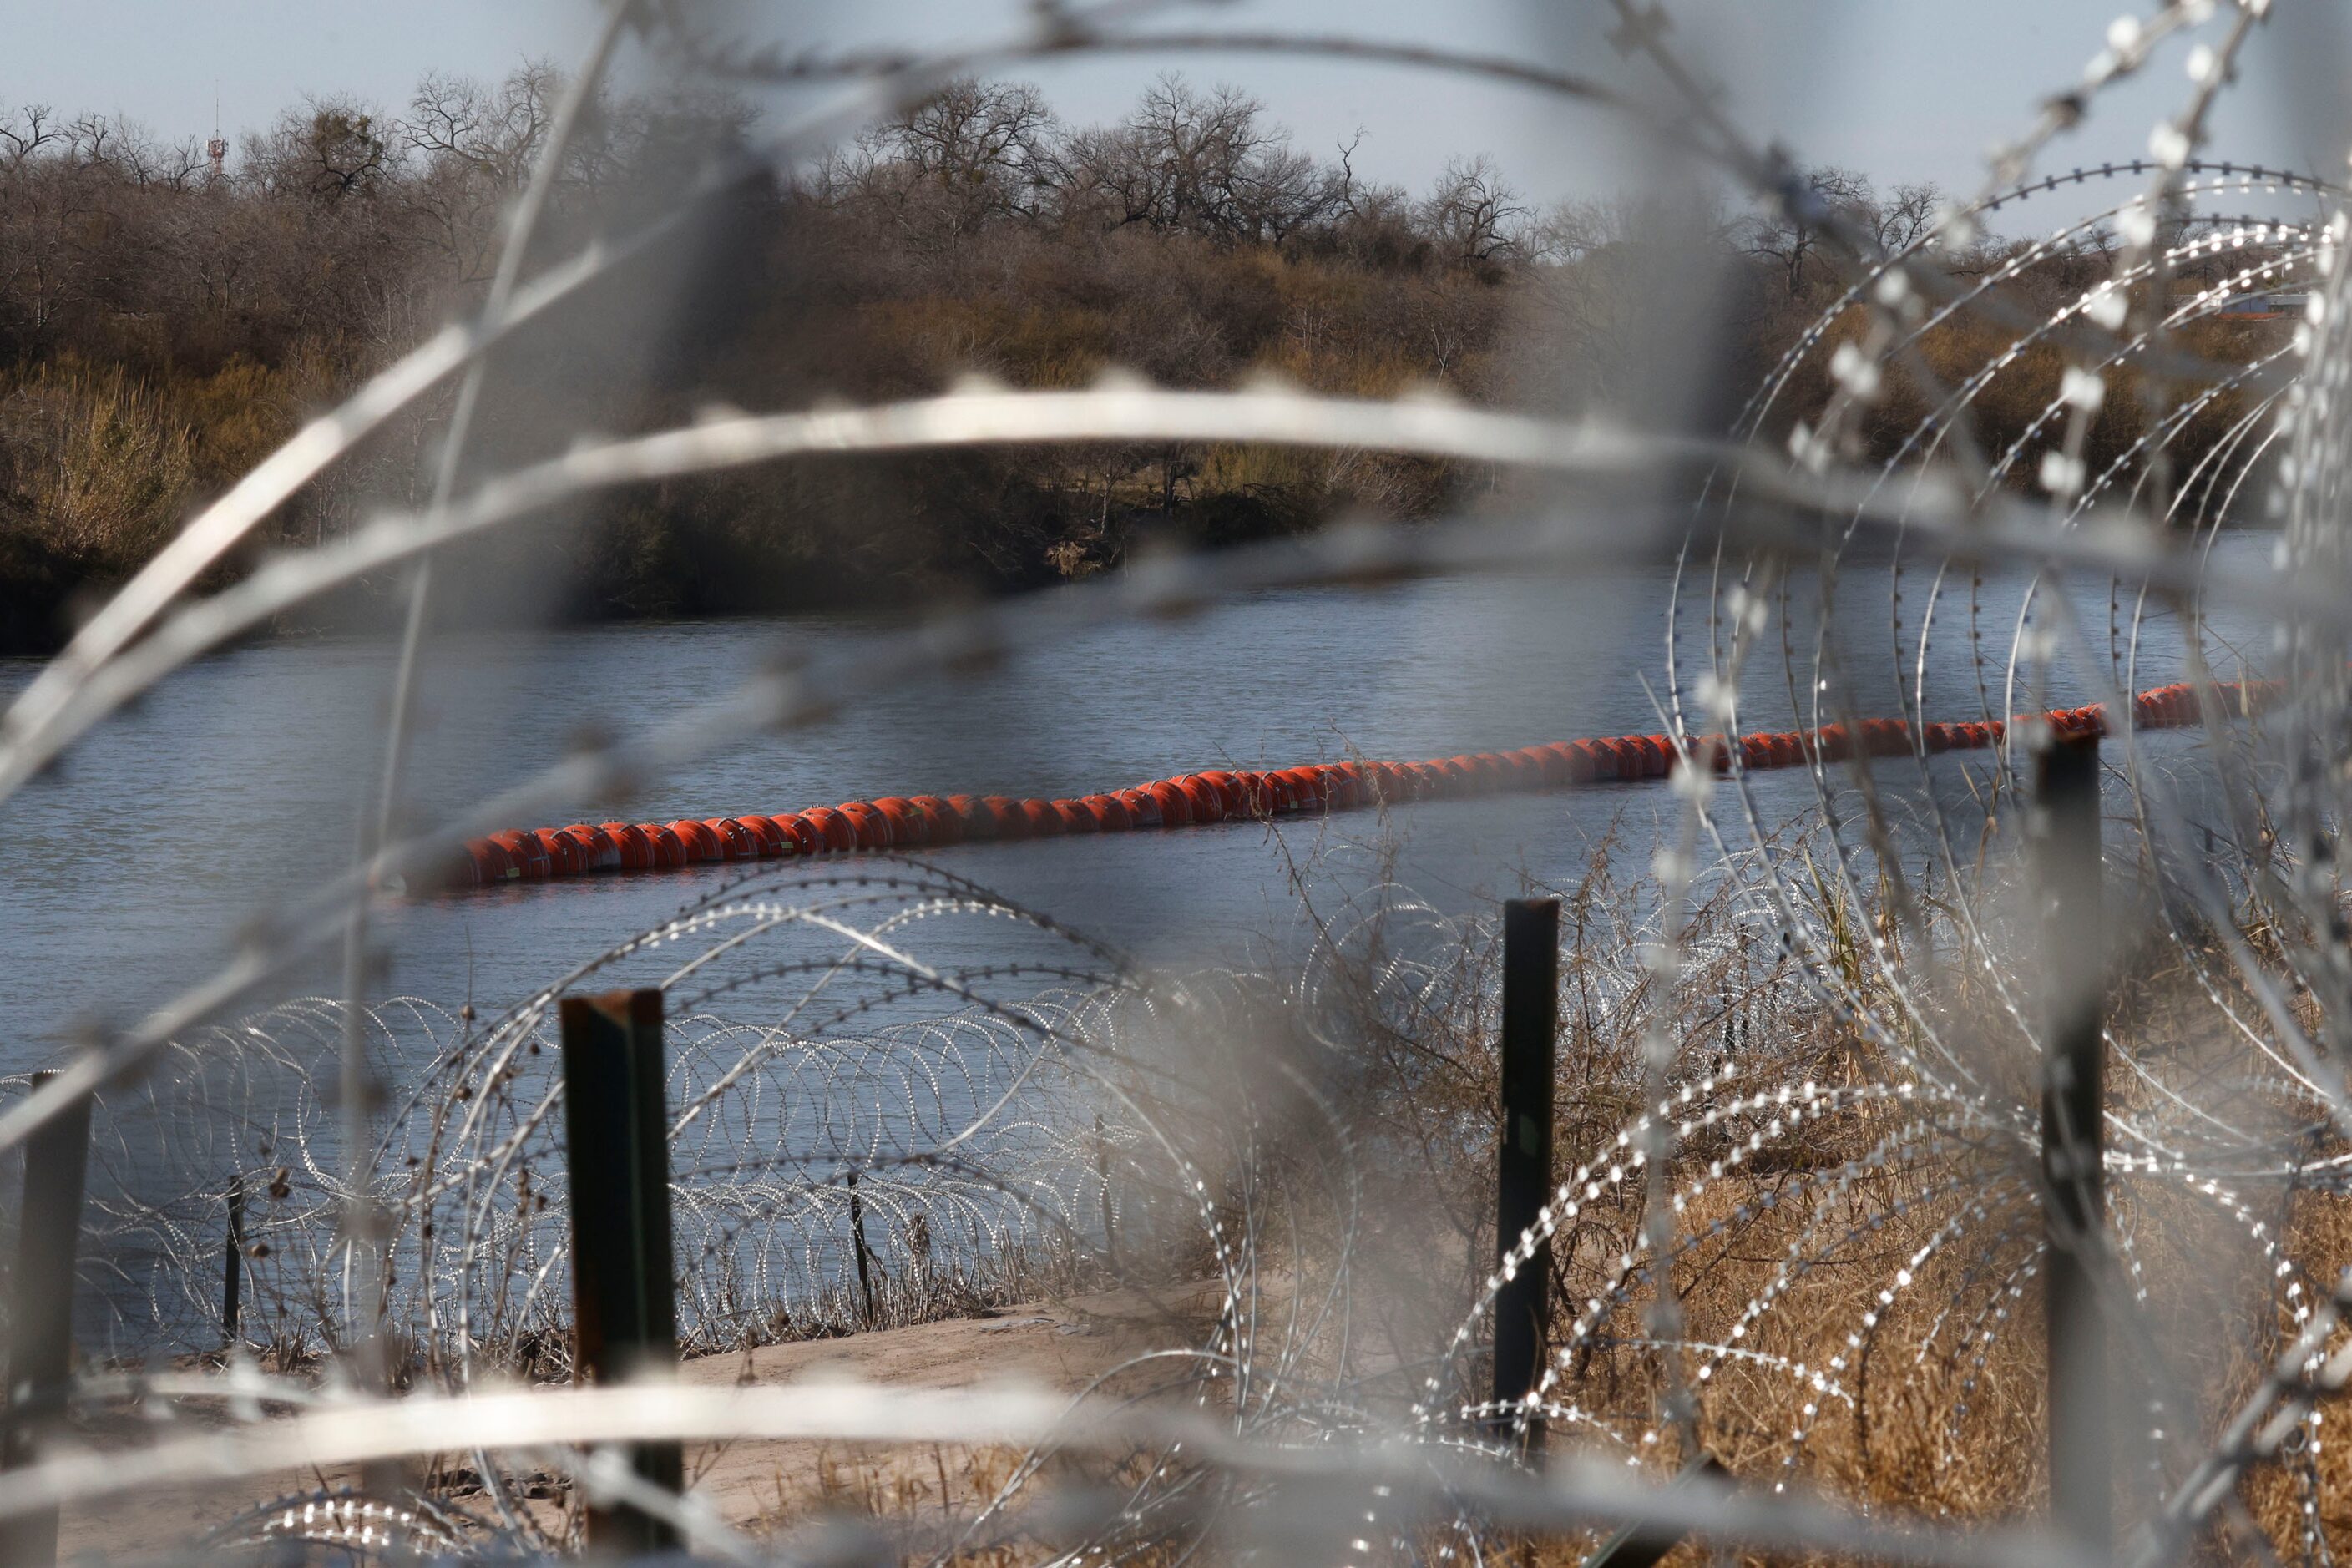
(900, 822)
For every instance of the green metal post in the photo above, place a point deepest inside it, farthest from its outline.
(40, 1350)
(617, 1130)
(1531, 1022)
(2063, 835)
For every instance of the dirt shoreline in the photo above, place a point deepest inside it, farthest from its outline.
(764, 1486)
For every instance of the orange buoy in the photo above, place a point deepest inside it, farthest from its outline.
(597, 850)
(1110, 811)
(1175, 806)
(806, 836)
(530, 854)
(1207, 804)
(838, 832)
(1042, 820)
(943, 823)
(870, 828)
(669, 849)
(906, 819)
(636, 851)
(770, 841)
(1005, 815)
(735, 840)
(489, 862)
(907, 827)
(563, 856)
(1142, 806)
(975, 821)
(699, 842)
(1228, 788)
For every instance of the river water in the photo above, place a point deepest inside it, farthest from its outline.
(238, 784)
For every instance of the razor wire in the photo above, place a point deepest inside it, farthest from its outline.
(1826, 1185)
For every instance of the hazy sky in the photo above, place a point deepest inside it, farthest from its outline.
(1900, 89)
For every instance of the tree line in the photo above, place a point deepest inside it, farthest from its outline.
(166, 318)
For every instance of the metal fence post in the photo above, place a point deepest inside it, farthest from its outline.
(40, 1350)
(1646, 1545)
(858, 1241)
(233, 1276)
(2063, 840)
(1102, 1172)
(1530, 1021)
(616, 1145)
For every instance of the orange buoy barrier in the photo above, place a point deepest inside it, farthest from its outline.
(915, 821)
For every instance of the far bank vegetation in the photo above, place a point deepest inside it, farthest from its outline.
(163, 324)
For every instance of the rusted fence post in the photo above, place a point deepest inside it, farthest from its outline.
(40, 1350)
(2063, 839)
(616, 1145)
(1530, 1020)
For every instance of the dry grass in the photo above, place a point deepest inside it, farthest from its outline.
(1860, 1300)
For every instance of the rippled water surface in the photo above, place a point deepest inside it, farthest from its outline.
(239, 783)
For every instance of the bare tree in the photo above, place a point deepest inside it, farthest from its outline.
(476, 144)
(328, 150)
(1205, 164)
(1473, 217)
(1905, 215)
(1792, 241)
(972, 153)
(26, 131)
